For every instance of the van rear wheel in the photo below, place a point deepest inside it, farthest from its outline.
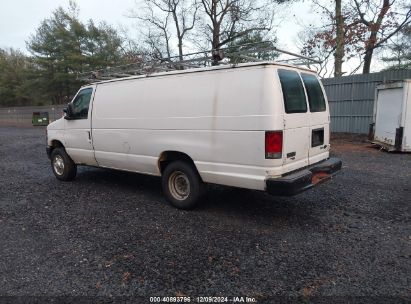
(182, 185)
(63, 166)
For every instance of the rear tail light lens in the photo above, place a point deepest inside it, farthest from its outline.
(273, 144)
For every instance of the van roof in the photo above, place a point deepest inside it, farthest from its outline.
(206, 69)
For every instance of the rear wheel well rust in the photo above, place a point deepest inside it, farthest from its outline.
(167, 157)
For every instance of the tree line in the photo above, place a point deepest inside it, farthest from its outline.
(63, 46)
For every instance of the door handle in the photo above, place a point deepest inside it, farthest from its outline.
(89, 136)
(291, 155)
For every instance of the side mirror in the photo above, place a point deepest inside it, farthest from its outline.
(68, 111)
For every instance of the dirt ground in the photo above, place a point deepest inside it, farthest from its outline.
(110, 234)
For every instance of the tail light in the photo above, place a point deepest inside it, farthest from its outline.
(273, 144)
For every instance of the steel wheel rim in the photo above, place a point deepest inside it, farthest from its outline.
(179, 185)
(58, 165)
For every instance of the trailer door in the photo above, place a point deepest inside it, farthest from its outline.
(388, 115)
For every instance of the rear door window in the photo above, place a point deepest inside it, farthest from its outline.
(315, 94)
(293, 91)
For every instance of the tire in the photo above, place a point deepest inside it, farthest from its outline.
(62, 165)
(182, 185)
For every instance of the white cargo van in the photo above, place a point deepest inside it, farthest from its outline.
(262, 126)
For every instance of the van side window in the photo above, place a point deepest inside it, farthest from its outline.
(293, 91)
(314, 93)
(81, 104)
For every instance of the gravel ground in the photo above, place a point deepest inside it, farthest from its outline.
(110, 233)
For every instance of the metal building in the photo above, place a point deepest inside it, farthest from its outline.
(351, 99)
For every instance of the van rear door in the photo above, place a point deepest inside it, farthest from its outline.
(296, 120)
(319, 119)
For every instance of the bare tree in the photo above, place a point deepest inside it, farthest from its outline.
(381, 22)
(358, 27)
(227, 20)
(336, 21)
(339, 40)
(224, 21)
(321, 52)
(166, 21)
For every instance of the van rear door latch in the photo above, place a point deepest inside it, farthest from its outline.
(291, 155)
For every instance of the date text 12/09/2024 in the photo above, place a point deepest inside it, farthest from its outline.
(185, 299)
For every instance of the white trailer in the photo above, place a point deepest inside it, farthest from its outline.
(392, 116)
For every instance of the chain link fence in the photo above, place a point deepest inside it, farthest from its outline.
(22, 116)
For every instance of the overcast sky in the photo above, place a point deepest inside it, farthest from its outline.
(20, 18)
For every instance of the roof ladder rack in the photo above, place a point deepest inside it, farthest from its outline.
(250, 52)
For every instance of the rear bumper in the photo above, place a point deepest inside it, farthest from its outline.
(297, 182)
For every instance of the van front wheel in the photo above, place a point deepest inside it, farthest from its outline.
(63, 166)
(182, 185)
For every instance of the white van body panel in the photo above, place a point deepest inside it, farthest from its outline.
(218, 117)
